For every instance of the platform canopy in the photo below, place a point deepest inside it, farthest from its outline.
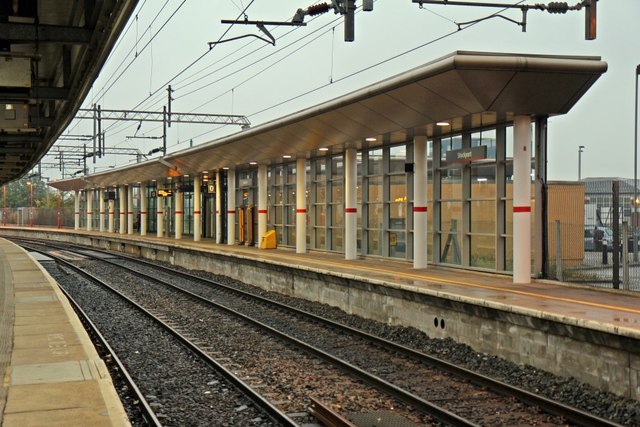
(469, 90)
(50, 54)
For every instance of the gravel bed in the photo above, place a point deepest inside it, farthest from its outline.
(566, 390)
(179, 386)
(458, 395)
(285, 375)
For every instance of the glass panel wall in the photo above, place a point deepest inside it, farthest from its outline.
(397, 202)
(152, 208)
(319, 203)
(289, 237)
(336, 204)
(276, 201)
(375, 202)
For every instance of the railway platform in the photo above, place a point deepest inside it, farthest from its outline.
(571, 331)
(51, 372)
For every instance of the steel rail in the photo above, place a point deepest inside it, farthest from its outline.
(145, 409)
(393, 390)
(556, 408)
(552, 407)
(274, 413)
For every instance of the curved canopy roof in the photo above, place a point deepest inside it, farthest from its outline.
(51, 51)
(468, 89)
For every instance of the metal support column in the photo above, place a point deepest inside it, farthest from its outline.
(262, 201)
(231, 207)
(130, 209)
(160, 216)
(112, 206)
(301, 206)
(522, 199)
(89, 204)
(101, 212)
(76, 222)
(420, 216)
(122, 209)
(179, 214)
(197, 207)
(218, 207)
(350, 205)
(144, 205)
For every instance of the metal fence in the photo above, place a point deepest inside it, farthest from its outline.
(37, 217)
(601, 254)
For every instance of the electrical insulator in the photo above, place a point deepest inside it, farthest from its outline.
(317, 9)
(557, 7)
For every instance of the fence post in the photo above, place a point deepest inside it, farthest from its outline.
(558, 252)
(616, 234)
(625, 256)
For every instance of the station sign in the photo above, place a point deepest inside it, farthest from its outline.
(163, 192)
(466, 155)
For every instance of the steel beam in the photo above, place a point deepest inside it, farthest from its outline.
(158, 116)
(15, 32)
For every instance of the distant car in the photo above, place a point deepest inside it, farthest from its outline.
(605, 236)
(595, 237)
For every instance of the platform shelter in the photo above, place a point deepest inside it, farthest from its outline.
(442, 164)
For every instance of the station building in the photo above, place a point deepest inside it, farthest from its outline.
(444, 164)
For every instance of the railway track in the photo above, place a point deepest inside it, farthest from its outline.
(451, 394)
(137, 407)
(159, 354)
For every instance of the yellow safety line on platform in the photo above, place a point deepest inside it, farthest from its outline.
(476, 285)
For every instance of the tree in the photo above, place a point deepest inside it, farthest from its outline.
(18, 194)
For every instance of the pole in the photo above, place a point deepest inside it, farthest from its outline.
(580, 150)
(4, 215)
(169, 99)
(31, 205)
(59, 223)
(164, 131)
(634, 223)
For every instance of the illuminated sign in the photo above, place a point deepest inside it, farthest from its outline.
(165, 192)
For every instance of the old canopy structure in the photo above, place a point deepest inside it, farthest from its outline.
(450, 140)
(50, 54)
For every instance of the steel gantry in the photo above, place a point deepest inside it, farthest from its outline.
(97, 114)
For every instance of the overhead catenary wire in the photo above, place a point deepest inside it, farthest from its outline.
(162, 87)
(234, 72)
(348, 76)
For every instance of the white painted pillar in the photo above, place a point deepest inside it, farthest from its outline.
(144, 205)
(89, 205)
(112, 206)
(76, 219)
(130, 209)
(179, 214)
(123, 209)
(197, 206)
(218, 207)
(101, 204)
(420, 214)
(160, 217)
(262, 202)
(301, 206)
(350, 205)
(231, 207)
(522, 199)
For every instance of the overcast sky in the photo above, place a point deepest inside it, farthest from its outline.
(309, 65)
